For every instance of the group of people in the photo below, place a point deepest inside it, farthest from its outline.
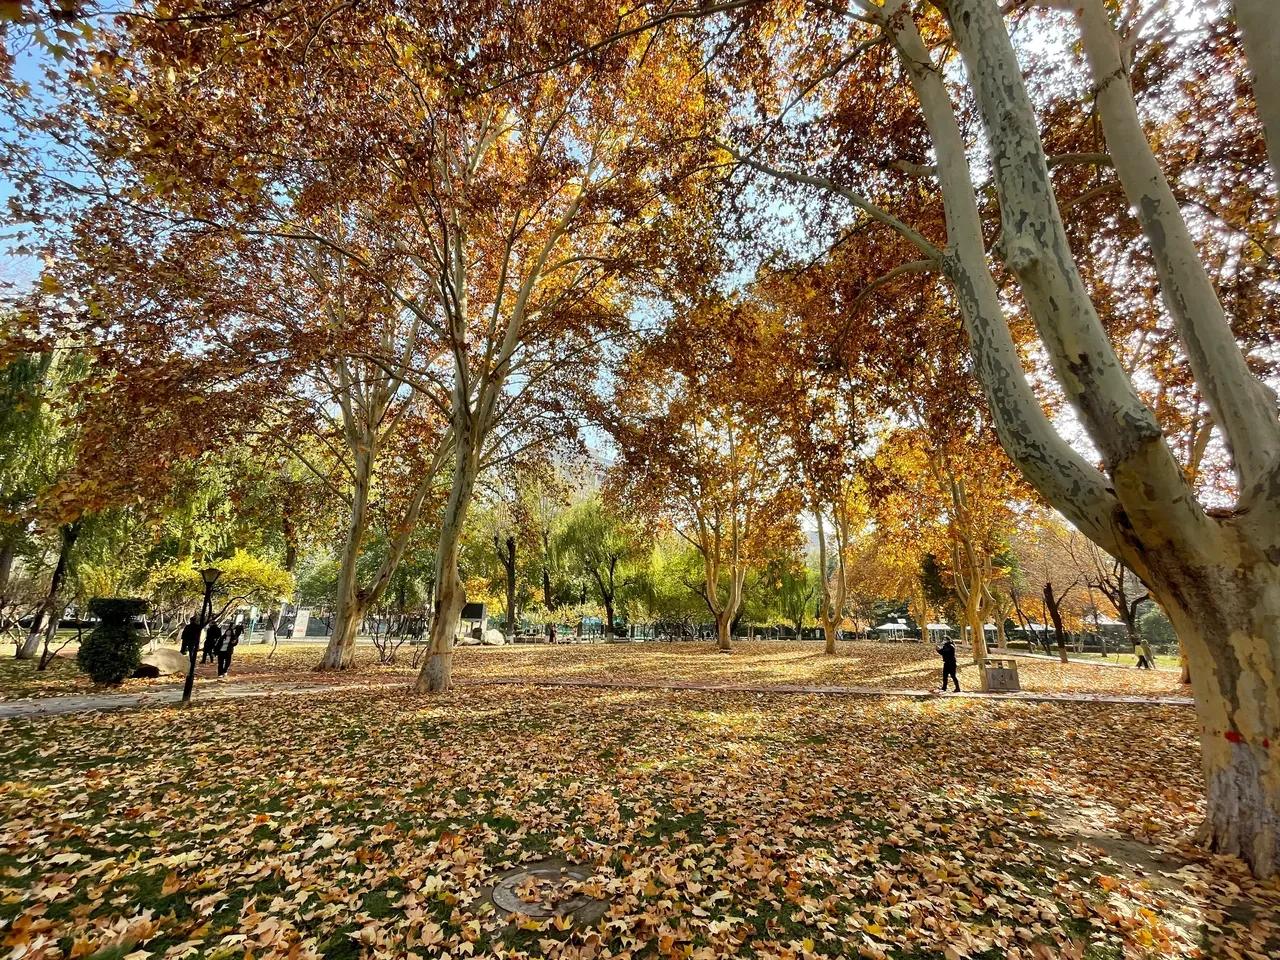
(218, 643)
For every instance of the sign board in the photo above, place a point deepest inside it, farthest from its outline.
(473, 612)
(300, 621)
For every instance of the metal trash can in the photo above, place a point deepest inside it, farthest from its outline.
(1000, 675)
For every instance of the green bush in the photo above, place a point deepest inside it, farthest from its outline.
(1157, 629)
(114, 649)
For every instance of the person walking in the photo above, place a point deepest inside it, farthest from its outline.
(1143, 662)
(191, 635)
(226, 644)
(947, 650)
(211, 638)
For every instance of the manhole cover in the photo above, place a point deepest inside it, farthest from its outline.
(549, 888)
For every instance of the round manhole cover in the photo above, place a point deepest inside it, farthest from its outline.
(550, 888)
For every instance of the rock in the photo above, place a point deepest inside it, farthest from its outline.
(494, 638)
(165, 661)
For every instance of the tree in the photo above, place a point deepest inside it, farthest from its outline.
(796, 586)
(815, 383)
(697, 454)
(245, 579)
(1124, 592)
(664, 590)
(497, 223)
(1207, 567)
(602, 547)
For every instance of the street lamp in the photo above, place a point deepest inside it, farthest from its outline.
(210, 577)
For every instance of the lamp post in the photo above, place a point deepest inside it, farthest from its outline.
(210, 577)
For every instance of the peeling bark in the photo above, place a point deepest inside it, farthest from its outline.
(1239, 403)
(1227, 615)
(1260, 30)
(1050, 465)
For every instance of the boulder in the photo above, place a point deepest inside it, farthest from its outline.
(166, 660)
(494, 638)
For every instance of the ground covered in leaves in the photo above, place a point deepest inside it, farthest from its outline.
(902, 666)
(370, 824)
(881, 665)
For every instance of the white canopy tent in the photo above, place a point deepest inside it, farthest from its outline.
(892, 628)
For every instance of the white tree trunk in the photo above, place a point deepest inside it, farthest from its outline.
(1050, 465)
(31, 646)
(1238, 402)
(832, 598)
(1229, 625)
(724, 631)
(1220, 577)
(350, 603)
(1260, 28)
(437, 672)
(1036, 250)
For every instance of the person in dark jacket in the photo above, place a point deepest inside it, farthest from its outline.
(226, 644)
(191, 635)
(211, 638)
(947, 650)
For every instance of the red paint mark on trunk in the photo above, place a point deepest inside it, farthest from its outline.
(1235, 736)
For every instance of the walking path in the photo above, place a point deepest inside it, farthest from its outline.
(159, 696)
(1023, 695)
(1076, 661)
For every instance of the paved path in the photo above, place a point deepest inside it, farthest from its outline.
(1077, 661)
(1024, 695)
(160, 695)
(246, 690)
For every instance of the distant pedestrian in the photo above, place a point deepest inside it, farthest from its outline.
(226, 644)
(211, 638)
(947, 650)
(191, 635)
(1143, 662)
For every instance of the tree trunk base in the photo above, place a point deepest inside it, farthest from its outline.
(30, 647)
(1243, 810)
(437, 675)
(337, 658)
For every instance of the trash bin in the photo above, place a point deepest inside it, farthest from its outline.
(1000, 675)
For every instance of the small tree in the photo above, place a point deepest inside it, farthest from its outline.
(245, 579)
(112, 651)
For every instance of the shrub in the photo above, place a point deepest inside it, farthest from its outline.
(1155, 626)
(114, 649)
